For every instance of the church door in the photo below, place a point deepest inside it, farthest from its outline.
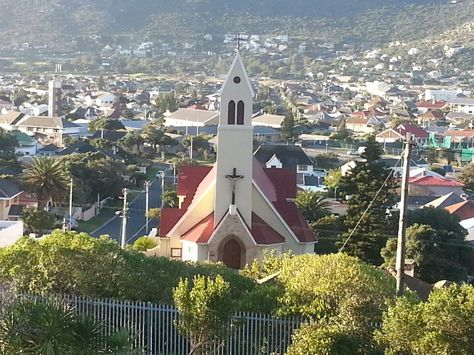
(232, 254)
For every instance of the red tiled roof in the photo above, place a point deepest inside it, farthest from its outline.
(284, 182)
(168, 218)
(464, 209)
(201, 232)
(467, 133)
(418, 132)
(434, 181)
(189, 178)
(264, 234)
(295, 220)
(431, 104)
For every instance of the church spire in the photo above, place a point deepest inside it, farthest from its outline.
(234, 145)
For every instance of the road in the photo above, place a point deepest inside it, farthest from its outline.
(136, 216)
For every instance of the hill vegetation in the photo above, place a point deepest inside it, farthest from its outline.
(357, 20)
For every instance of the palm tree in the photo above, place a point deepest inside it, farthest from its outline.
(47, 179)
(313, 205)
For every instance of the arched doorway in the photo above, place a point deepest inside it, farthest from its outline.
(232, 254)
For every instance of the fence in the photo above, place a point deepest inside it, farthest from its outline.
(153, 327)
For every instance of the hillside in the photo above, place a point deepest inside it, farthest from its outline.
(358, 20)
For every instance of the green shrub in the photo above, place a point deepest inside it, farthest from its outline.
(144, 243)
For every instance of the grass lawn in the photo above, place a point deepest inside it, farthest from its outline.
(95, 222)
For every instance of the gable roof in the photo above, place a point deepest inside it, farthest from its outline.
(9, 189)
(444, 201)
(268, 119)
(434, 181)
(464, 210)
(46, 122)
(11, 117)
(289, 155)
(278, 185)
(431, 104)
(414, 130)
(198, 116)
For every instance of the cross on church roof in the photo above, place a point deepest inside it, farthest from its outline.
(239, 39)
(233, 178)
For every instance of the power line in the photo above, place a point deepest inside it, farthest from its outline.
(366, 210)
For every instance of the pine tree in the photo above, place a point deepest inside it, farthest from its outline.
(288, 127)
(361, 184)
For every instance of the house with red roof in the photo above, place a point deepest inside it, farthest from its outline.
(236, 210)
(464, 210)
(425, 106)
(418, 134)
(434, 186)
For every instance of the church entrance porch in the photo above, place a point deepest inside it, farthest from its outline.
(232, 253)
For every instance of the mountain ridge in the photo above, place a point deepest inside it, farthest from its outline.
(49, 20)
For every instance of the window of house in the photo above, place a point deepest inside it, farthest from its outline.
(303, 167)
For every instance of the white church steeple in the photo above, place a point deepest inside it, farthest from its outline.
(234, 145)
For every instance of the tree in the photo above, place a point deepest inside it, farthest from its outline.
(368, 183)
(154, 213)
(434, 235)
(144, 243)
(467, 176)
(333, 180)
(37, 221)
(8, 143)
(205, 310)
(94, 174)
(338, 294)
(313, 205)
(288, 127)
(47, 179)
(105, 123)
(132, 142)
(443, 325)
(170, 198)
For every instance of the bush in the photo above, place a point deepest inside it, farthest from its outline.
(144, 243)
(51, 327)
(75, 263)
(439, 170)
(443, 325)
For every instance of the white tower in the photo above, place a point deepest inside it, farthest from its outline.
(54, 97)
(234, 146)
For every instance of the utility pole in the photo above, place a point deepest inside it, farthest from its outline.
(70, 204)
(147, 186)
(162, 175)
(400, 262)
(123, 237)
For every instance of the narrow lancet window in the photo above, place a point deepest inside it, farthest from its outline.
(231, 113)
(240, 113)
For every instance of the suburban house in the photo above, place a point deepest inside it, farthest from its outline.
(10, 192)
(291, 157)
(235, 210)
(434, 186)
(461, 104)
(464, 210)
(186, 117)
(390, 135)
(361, 124)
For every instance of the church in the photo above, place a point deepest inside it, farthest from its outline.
(235, 210)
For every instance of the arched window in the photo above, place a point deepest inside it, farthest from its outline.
(240, 113)
(231, 113)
